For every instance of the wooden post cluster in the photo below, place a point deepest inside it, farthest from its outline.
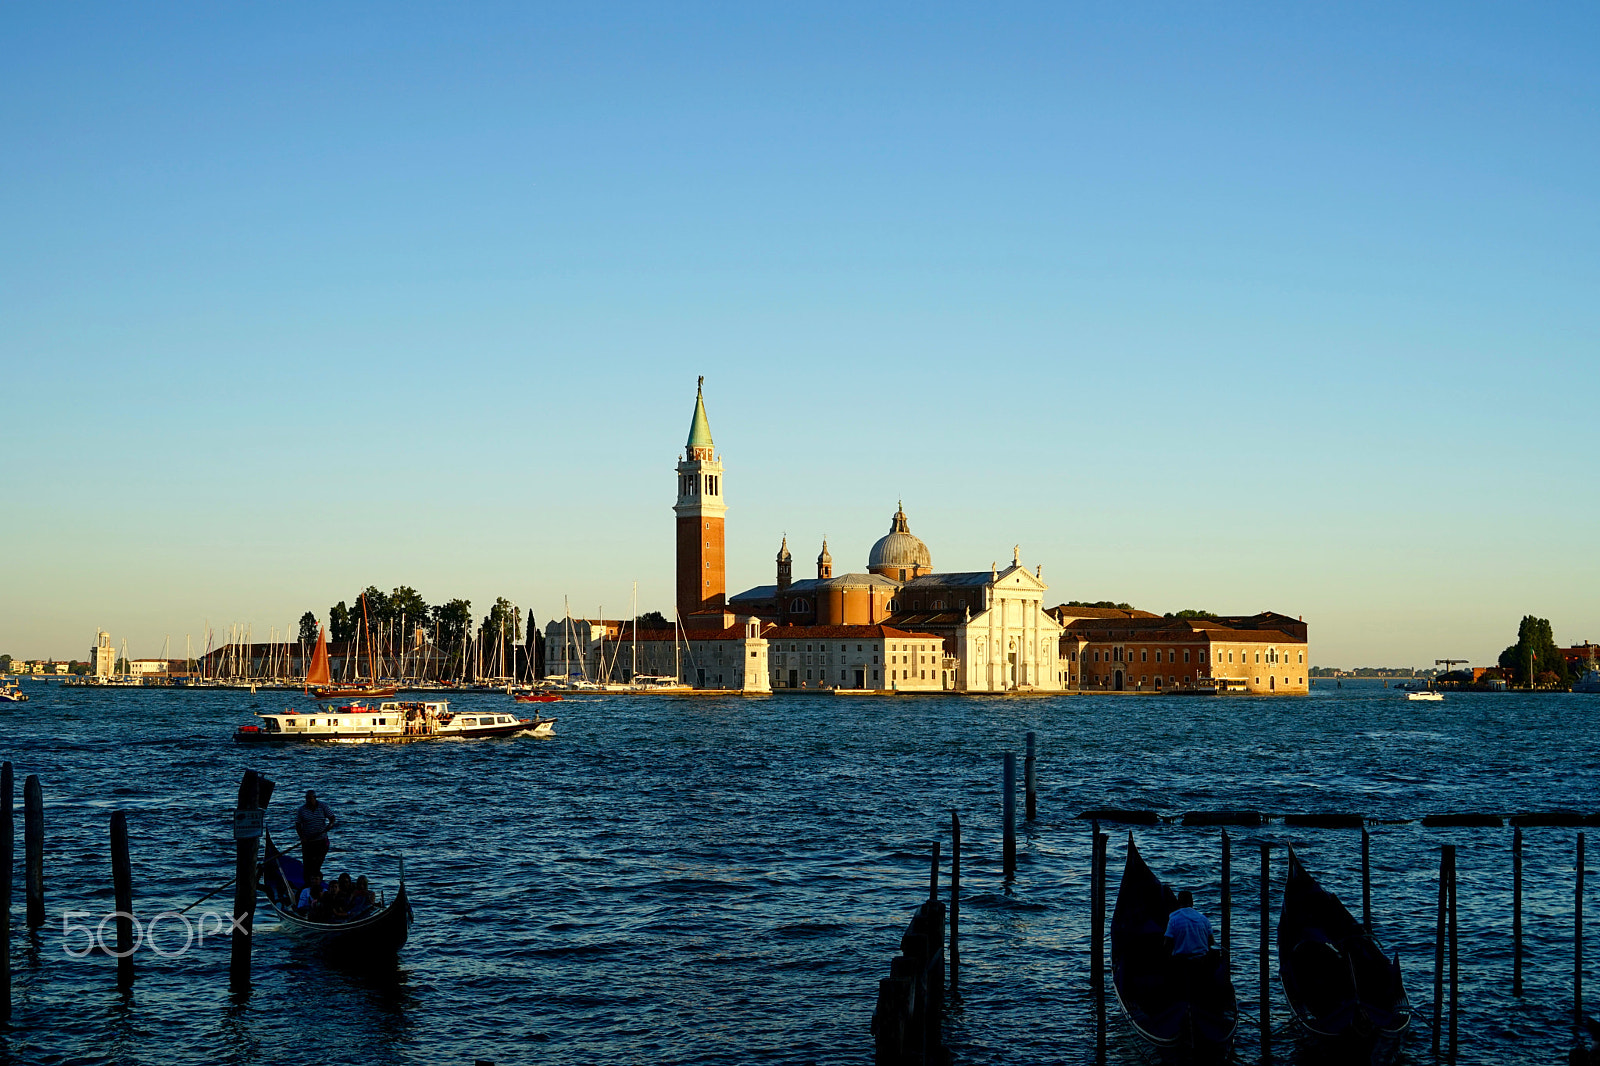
(122, 891)
(1030, 783)
(33, 846)
(1266, 926)
(7, 860)
(1097, 912)
(1008, 788)
(907, 1025)
(955, 904)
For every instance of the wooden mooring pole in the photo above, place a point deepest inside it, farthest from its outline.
(955, 903)
(1577, 945)
(33, 847)
(1455, 960)
(1030, 783)
(1227, 899)
(1366, 880)
(1266, 966)
(122, 891)
(933, 874)
(1009, 800)
(7, 860)
(1097, 908)
(1446, 854)
(244, 872)
(1516, 911)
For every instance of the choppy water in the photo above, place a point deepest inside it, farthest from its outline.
(724, 881)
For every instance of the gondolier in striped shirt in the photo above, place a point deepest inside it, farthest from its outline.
(312, 823)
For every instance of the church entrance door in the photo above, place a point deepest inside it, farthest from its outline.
(701, 675)
(794, 679)
(1118, 683)
(861, 679)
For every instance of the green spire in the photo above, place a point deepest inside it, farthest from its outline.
(700, 429)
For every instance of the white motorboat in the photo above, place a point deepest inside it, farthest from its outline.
(12, 693)
(1426, 694)
(390, 722)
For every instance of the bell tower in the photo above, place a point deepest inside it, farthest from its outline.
(785, 565)
(702, 572)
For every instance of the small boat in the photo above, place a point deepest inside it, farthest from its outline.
(370, 937)
(390, 722)
(352, 692)
(1186, 1010)
(1590, 682)
(1335, 976)
(1425, 694)
(11, 693)
(537, 697)
(319, 681)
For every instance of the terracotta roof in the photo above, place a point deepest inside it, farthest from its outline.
(846, 633)
(1096, 612)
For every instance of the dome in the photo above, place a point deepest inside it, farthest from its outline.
(900, 550)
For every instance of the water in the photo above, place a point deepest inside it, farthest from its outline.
(725, 881)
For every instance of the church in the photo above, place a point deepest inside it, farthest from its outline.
(900, 625)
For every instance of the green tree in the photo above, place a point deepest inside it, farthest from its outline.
(1535, 653)
(341, 624)
(308, 629)
(5, 664)
(500, 633)
(1189, 612)
(654, 620)
(405, 607)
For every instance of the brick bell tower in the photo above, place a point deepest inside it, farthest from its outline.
(702, 572)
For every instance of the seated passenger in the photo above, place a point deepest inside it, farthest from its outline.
(361, 899)
(310, 896)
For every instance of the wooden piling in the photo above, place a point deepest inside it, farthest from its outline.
(1098, 907)
(1455, 959)
(244, 893)
(1030, 783)
(33, 847)
(1009, 789)
(1446, 853)
(933, 874)
(1227, 900)
(1577, 945)
(122, 891)
(1266, 966)
(1366, 880)
(7, 860)
(955, 903)
(1516, 911)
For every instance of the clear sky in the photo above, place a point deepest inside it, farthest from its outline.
(1225, 306)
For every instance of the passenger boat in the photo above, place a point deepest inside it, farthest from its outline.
(390, 722)
(373, 936)
(1335, 976)
(1186, 1010)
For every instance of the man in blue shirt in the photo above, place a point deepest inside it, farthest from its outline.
(1188, 931)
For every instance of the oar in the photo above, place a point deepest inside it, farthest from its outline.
(229, 882)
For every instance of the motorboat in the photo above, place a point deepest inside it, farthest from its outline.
(12, 693)
(390, 722)
(1428, 695)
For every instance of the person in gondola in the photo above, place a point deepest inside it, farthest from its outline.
(362, 899)
(1188, 938)
(311, 824)
(310, 896)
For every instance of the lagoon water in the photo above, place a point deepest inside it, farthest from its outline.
(724, 881)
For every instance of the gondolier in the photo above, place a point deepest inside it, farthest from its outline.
(311, 824)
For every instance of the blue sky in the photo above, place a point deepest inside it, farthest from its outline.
(1236, 307)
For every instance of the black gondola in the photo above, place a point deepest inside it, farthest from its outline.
(372, 937)
(1185, 1009)
(1335, 976)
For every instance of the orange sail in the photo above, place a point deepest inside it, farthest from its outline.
(318, 673)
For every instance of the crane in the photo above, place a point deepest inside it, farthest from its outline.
(1448, 663)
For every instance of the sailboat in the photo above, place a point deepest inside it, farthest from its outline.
(319, 679)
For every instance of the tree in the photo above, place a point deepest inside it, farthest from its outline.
(1189, 613)
(341, 624)
(654, 620)
(1105, 604)
(308, 629)
(500, 632)
(404, 607)
(1534, 654)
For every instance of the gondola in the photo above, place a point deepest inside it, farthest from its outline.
(1184, 1009)
(1335, 976)
(372, 937)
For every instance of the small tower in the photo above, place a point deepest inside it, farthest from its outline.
(785, 565)
(824, 562)
(702, 567)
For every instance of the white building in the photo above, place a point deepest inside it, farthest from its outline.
(103, 655)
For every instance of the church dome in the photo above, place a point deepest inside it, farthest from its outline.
(900, 550)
